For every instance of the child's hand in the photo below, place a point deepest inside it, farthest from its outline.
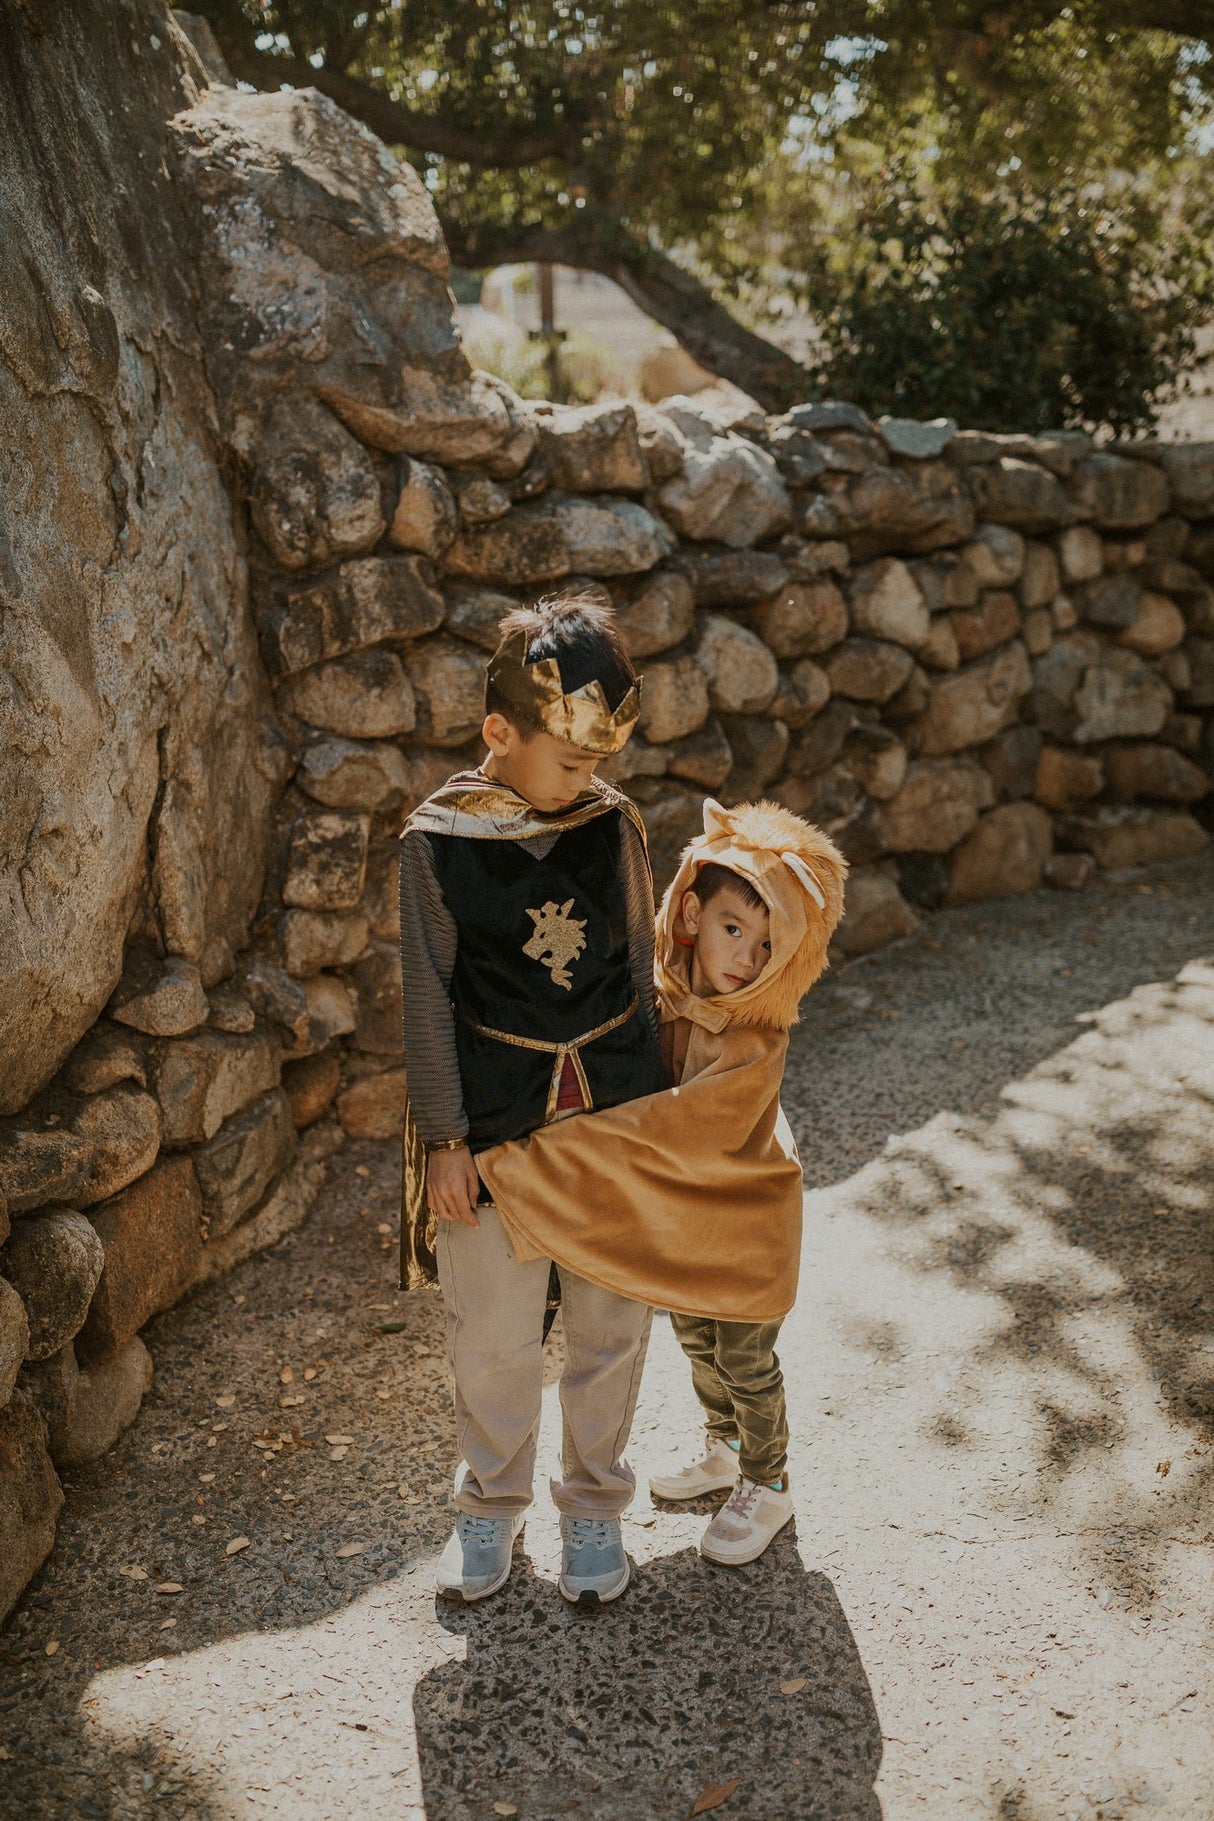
(452, 1185)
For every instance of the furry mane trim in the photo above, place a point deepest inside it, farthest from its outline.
(759, 835)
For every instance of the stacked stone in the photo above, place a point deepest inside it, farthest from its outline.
(983, 663)
(166, 1151)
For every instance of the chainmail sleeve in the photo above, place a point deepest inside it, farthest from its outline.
(428, 942)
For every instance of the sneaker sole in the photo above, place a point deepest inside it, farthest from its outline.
(590, 1599)
(740, 1561)
(683, 1496)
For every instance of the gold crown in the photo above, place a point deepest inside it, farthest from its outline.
(582, 718)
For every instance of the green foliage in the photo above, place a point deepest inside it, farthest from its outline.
(1010, 311)
(748, 142)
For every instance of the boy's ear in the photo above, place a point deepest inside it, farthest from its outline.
(498, 735)
(689, 912)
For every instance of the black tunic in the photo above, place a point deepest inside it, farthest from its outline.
(542, 954)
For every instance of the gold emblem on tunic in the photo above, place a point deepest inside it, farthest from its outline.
(557, 940)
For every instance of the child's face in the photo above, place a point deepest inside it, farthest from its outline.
(547, 771)
(732, 941)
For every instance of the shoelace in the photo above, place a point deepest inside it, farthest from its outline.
(743, 1498)
(591, 1533)
(480, 1529)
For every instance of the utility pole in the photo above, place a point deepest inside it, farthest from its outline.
(549, 334)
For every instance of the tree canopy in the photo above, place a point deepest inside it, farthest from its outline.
(721, 161)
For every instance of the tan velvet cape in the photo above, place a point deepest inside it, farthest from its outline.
(691, 1199)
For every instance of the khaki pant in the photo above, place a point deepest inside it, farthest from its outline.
(495, 1315)
(738, 1380)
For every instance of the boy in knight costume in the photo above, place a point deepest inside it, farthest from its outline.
(527, 959)
(702, 1214)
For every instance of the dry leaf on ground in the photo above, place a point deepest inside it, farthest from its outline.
(792, 1687)
(169, 1587)
(134, 1574)
(286, 1375)
(52, 1647)
(504, 1808)
(340, 1441)
(226, 1401)
(1163, 1468)
(714, 1795)
(349, 1549)
(237, 1544)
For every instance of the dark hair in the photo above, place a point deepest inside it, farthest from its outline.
(712, 879)
(581, 634)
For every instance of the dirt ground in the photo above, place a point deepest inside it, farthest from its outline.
(997, 1599)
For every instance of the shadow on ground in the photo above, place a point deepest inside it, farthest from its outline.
(1052, 1173)
(633, 1713)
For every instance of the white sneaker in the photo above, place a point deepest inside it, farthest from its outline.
(717, 1472)
(746, 1523)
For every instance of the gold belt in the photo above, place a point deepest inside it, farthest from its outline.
(558, 1051)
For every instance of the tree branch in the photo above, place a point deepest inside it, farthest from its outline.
(391, 120)
(657, 285)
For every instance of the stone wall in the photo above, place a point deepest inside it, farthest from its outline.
(260, 523)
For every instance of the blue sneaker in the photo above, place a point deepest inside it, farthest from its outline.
(477, 1559)
(594, 1568)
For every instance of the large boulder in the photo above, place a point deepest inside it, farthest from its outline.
(674, 700)
(53, 1261)
(869, 670)
(1021, 494)
(1066, 778)
(521, 549)
(373, 1107)
(425, 518)
(367, 696)
(972, 705)
(314, 492)
(236, 1167)
(77, 1148)
(730, 578)
(1154, 771)
(362, 602)
(1003, 855)
(741, 671)
(326, 860)
(14, 1336)
(1189, 468)
(937, 806)
(108, 1395)
(917, 508)
(803, 619)
(131, 680)
(355, 774)
(199, 1080)
(609, 537)
(874, 913)
(592, 448)
(1120, 698)
(149, 1242)
(729, 491)
(659, 614)
(1119, 494)
(1133, 836)
(449, 679)
(30, 1499)
(887, 603)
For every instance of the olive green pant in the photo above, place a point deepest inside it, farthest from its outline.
(738, 1380)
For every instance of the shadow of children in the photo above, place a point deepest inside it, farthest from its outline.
(633, 1713)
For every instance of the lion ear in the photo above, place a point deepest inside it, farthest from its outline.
(800, 871)
(716, 819)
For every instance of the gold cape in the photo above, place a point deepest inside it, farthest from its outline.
(691, 1199)
(480, 808)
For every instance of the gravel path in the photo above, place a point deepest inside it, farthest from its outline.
(997, 1599)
